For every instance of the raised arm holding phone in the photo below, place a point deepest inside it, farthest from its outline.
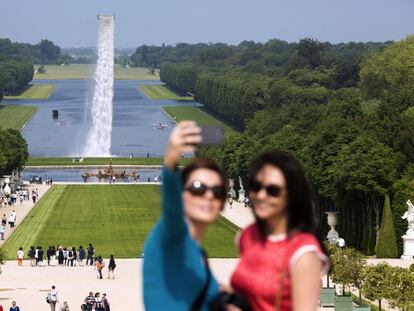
(175, 270)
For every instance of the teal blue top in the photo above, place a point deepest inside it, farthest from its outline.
(173, 271)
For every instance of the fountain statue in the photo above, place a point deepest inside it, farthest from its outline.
(242, 192)
(98, 139)
(408, 238)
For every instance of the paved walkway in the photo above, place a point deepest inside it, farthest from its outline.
(21, 210)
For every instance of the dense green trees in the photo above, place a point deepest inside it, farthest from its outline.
(13, 151)
(354, 137)
(45, 52)
(14, 75)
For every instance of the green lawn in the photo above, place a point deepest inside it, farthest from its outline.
(162, 92)
(35, 91)
(15, 117)
(85, 71)
(196, 114)
(48, 161)
(115, 218)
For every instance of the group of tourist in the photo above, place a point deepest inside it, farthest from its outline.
(281, 254)
(96, 302)
(70, 257)
(92, 302)
(20, 195)
(4, 220)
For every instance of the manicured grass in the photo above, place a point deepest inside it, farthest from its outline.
(85, 71)
(35, 91)
(48, 161)
(162, 92)
(15, 117)
(115, 218)
(196, 114)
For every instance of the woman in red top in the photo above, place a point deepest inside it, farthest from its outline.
(281, 257)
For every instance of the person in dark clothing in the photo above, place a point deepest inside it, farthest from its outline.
(111, 267)
(91, 252)
(31, 255)
(75, 255)
(81, 255)
(89, 301)
(60, 256)
(40, 256)
(49, 254)
(70, 257)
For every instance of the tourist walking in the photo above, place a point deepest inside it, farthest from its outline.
(20, 256)
(175, 270)
(89, 301)
(64, 306)
(230, 200)
(49, 254)
(105, 302)
(111, 267)
(281, 256)
(53, 256)
(2, 231)
(81, 255)
(65, 256)
(60, 256)
(91, 253)
(98, 302)
(100, 264)
(40, 256)
(12, 219)
(4, 220)
(71, 257)
(14, 306)
(52, 298)
(31, 255)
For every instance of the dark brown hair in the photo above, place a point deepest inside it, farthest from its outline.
(300, 206)
(202, 162)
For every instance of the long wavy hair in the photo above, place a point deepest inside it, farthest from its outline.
(300, 205)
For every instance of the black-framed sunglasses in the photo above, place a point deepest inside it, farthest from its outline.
(271, 190)
(198, 188)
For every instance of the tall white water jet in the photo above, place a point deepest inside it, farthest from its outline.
(98, 139)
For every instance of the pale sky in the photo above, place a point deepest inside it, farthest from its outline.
(73, 22)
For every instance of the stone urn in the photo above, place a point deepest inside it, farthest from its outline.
(6, 189)
(333, 235)
(232, 192)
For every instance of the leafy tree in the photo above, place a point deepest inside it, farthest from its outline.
(368, 167)
(390, 73)
(13, 151)
(377, 281)
(49, 50)
(348, 268)
(387, 244)
(401, 287)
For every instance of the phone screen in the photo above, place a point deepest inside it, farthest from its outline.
(211, 135)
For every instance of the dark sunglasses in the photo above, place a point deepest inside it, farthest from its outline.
(271, 190)
(197, 188)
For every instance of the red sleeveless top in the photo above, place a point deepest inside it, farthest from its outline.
(264, 267)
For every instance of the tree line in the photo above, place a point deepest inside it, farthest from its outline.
(45, 52)
(345, 110)
(14, 75)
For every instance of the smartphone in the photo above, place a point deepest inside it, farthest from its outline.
(211, 135)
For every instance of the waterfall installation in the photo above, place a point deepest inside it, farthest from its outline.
(98, 138)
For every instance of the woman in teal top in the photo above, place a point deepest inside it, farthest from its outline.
(175, 274)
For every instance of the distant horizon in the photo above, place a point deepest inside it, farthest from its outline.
(232, 44)
(139, 22)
